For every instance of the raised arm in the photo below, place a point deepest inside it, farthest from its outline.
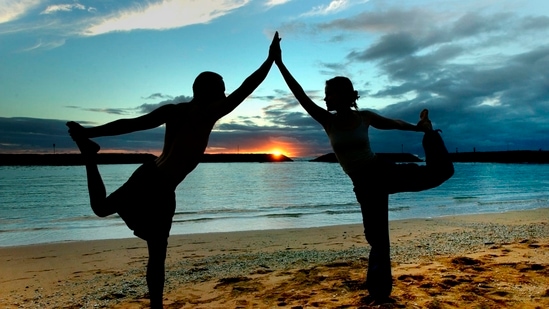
(247, 87)
(382, 123)
(151, 120)
(318, 113)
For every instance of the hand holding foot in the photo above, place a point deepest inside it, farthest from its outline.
(424, 123)
(85, 145)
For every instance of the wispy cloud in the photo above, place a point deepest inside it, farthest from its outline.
(45, 45)
(164, 15)
(158, 95)
(54, 24)
(333, 7)
(271, 3)
(13, 9)
(66, 8)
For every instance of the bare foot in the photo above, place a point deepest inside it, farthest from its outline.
(424, 121)
(86, 145)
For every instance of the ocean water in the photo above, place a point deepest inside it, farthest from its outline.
(42, 204)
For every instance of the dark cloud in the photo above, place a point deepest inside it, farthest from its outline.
(113, 111)
(38, 135)
(394, 45)
(298, 132)
(483, 76)
(472, 24)
(142, 109)
(382, 21)
(29, 134)
(535, 23)
(146, 108)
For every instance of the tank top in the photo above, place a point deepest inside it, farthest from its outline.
(352, 147)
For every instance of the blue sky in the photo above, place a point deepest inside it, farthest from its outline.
(480, 66)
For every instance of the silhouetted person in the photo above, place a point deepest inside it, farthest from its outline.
(146, 202)
(373, 178)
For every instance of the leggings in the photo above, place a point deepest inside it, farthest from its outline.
(372, 187)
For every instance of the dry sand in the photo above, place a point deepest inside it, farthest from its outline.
(477, 261)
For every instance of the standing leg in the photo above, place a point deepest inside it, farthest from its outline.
(156, 269)
(374, 205)
(379, 281)
(96, 187)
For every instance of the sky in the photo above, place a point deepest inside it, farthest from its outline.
(480, 66)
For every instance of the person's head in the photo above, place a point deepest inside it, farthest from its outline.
(208, 86)
(340, 94)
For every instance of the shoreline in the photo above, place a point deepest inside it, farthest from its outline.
(172, 236)
(237, 269)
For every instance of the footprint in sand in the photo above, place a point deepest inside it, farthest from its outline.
(43, 257)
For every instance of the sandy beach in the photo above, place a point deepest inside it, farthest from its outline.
(476, 261)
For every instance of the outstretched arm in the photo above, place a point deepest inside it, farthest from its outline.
(248, 86)
(382, 123)
(123, 126)
(318, 113)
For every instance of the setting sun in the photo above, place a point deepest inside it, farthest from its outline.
(277, 154)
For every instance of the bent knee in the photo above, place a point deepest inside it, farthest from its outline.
(102, 211)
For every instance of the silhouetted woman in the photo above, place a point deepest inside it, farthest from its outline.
(146, 202)
(373, 178)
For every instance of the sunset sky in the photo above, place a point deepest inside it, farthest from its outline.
(480, 66)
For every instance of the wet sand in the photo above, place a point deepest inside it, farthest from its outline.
(477, 261)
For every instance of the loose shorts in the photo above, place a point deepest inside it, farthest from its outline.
(146, 202)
